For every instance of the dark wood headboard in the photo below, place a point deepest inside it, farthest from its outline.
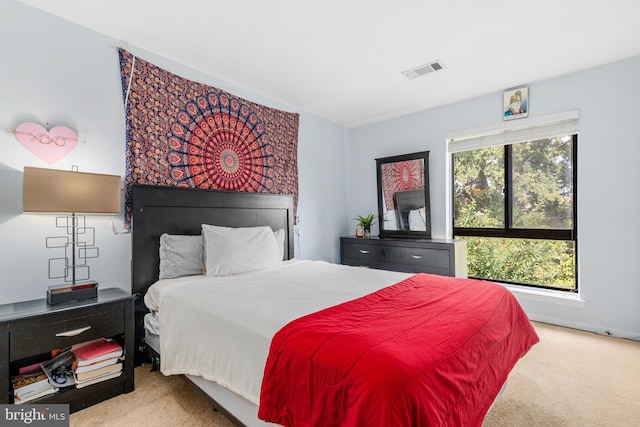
(176, 210)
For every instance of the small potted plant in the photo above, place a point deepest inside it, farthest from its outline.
(365, 221)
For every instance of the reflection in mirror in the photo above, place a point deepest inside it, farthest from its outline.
(403, 195)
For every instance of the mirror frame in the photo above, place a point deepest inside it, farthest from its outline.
(424, 155)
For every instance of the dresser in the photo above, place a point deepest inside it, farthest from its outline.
(446, 257)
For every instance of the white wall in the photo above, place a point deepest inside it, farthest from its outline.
(55, 72)
(58, 73)
(608, 175)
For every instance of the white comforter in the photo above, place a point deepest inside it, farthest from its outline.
(221, 328)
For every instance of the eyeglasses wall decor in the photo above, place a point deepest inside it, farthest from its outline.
(49, 145)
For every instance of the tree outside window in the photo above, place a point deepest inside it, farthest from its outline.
(515, 206)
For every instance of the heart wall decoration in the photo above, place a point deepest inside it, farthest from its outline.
(49, 145)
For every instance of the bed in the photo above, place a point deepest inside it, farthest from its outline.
(238, 336)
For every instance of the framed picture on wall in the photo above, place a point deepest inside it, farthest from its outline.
(516, 103)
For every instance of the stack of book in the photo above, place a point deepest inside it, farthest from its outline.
(31, 383)
(96, 361)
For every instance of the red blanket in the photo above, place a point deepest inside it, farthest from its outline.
(428, 351)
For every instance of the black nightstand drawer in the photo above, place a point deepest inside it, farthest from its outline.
(428, 258)
(56, 332)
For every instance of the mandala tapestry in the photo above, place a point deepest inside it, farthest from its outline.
(183, 133)
(401, 176)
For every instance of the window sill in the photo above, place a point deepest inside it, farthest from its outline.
(550, 296)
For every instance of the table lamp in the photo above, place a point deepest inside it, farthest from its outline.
(70, 192)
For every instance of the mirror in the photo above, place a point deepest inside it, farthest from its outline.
(403, 196)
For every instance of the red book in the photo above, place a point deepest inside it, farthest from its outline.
(89, 350)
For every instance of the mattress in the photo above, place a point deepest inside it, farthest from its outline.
(218, 331)
(152, 333)
(244, 411)
(220, 328)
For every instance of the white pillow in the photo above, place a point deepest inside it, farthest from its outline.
(230, 250)
(180, 256)
(417, 220)
(279, 235)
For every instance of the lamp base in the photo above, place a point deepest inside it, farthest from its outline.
(62, 294)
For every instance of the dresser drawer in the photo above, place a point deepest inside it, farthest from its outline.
(444, 257)
(428, 260)
(364, 252)
(56, 332)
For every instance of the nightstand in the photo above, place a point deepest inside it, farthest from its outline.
(30, 330)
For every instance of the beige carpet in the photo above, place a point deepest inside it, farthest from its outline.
(571, 378)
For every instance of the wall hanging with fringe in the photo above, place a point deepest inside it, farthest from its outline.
(184, 133)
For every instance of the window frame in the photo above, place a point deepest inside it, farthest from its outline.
(508, 232)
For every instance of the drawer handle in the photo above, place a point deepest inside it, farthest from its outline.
(73, 333)
(362, 251)
(416, 256)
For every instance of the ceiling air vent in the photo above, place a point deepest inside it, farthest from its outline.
(423, 69)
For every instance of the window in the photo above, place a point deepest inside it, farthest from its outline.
(515, 205)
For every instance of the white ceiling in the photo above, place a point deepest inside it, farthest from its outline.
(342, 59)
